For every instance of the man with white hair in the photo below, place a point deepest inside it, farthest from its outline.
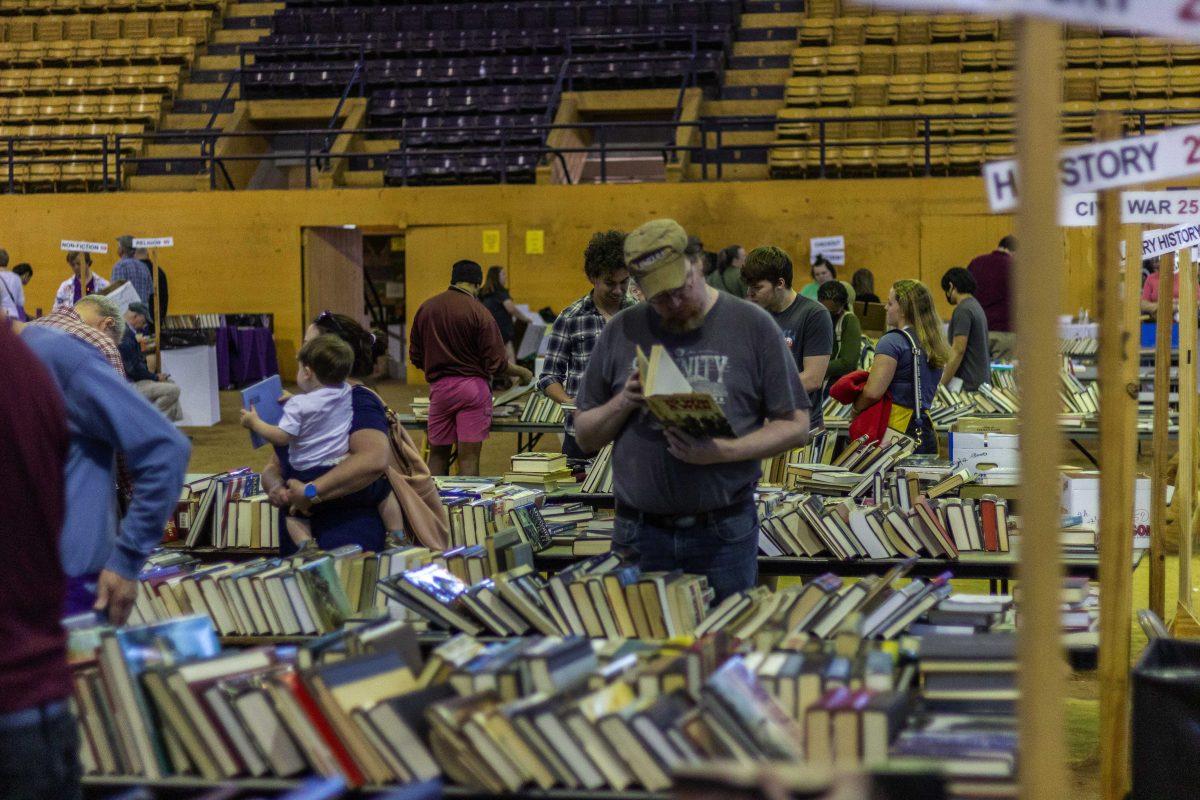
(103, 550)
(685, 501)
(94, 319)
(154, 386)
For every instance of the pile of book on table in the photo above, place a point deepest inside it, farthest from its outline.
(800, 524)
(542, 410)
(599, 478)
(818, 450)
(479, 508)
(545, 471)
(227, 510)
(537, 711)
(583, 528)
(310, 593)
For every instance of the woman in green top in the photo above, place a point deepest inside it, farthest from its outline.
(822, 272)
(847, 333)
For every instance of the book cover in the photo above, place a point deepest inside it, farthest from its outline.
(263, 397)
(674, 402)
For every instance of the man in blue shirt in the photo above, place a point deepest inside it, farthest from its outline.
(102, 554)
(134, 271)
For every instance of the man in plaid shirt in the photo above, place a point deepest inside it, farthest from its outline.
(579, 325)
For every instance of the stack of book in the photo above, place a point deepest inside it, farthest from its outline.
(420, 407)
(541, 410)
(961, 679)
(824, 608)
(227, 510)
(859, 468)
(811, 525)
(545, 471)
(310, 593)
(819, 450)
(599, 474)
(598, 597)
(537, 712)
(966, 615)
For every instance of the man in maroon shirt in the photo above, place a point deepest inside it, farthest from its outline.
(994, 292)
(39, 758)
(456, 343)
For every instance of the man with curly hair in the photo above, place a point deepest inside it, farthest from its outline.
(577, 328)
(806, 324)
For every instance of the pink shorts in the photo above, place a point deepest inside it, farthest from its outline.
(460, 410)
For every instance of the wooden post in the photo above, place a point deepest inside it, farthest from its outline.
(1162, 439)
(1185, 483)
(1038, 281)
(156, 313)
(1117, 413)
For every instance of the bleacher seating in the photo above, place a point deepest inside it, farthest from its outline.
(873, 84)
(82, 80)
(465, 76)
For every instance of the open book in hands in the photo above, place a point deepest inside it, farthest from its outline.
(673, 401)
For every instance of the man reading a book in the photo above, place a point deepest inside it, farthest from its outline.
(578, 327)
(685, 501)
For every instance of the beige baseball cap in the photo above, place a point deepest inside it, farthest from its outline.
(654, 254)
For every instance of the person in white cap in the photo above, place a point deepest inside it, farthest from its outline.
(684, 501)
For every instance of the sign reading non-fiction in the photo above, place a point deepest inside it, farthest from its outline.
(1106, 165)
(154, 243)
(82, 247)
(1177, 19)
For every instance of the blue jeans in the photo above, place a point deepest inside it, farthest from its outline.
(40, 760)
(724, 551)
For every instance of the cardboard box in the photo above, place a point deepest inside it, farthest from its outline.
(992, 424)
(1081, 495)
(983, 451)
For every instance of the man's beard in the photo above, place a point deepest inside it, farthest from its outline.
(685, 325)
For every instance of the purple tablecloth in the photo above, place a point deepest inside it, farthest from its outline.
(244, 356)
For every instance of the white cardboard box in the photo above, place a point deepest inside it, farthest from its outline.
(1081, 495)
(983, 451)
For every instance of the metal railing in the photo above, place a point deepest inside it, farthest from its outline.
(415, 146)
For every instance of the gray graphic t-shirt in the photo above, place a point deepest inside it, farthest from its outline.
(738, 356)
(808, 331)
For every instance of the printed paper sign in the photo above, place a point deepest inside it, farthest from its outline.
(83, 247)
(151, 244)
(1078, 210)
(1155, 243)
(1177, 19)
(535, 243)
(832, 247)
(1106, 165)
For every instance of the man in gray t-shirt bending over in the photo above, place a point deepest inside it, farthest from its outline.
(685, 502)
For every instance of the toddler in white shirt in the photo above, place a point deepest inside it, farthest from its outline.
(315, 425)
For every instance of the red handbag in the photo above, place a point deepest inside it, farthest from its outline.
(872, 421)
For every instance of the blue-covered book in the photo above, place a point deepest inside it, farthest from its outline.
(263, 397)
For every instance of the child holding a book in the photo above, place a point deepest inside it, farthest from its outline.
(315, 426)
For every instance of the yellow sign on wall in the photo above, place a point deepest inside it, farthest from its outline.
(535, 243)
(491, 241)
